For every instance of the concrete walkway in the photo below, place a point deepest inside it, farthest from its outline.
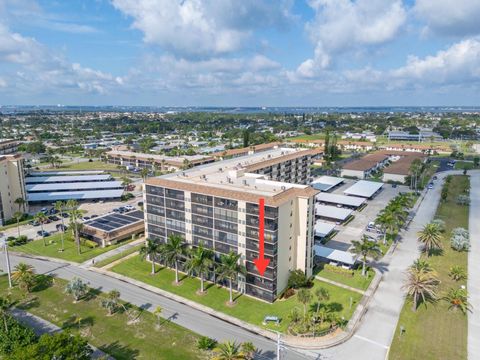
(41, 326)
(473, 283)
(106, 255)
(339, 284)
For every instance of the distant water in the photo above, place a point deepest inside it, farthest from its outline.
(9, 109)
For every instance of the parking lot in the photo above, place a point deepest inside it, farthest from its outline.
(356, 228)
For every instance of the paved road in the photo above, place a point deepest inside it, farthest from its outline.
(473, 284)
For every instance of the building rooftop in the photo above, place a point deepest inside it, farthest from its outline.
(332, 212)
(113, 221)
(66, 179)
(77, 195)
(323, 229)
(402, 165)
(363, 188)
(245, 150)
(340, 199)
(64, 173)
(75, 186)
(159, 158)
(232, 178)
(325, 183)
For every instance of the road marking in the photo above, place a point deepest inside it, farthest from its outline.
(371, 341)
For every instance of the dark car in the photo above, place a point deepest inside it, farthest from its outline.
(93, 216)
(54, 218)
(61, 227)
(34, 223)
(435, 177)
(52, 211)
(64, 215)
(43, 233)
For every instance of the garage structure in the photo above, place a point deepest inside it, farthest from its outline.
(334, 256)
(332, 213)
(323, 229)
(113, 227)
(365, 189)
(343, 200)
(326, 183)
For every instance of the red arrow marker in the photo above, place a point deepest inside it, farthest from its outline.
(261, 263)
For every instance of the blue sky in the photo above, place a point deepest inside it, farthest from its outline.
(232, 53)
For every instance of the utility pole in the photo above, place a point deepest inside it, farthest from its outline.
(278, 345)
(7, 260)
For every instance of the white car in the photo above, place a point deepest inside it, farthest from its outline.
(129, 207)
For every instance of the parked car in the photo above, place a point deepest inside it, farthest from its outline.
(435, 177)
(52, 211)
(430, 186)
(85, 218)
(44, 210)
(65, 215)
(93, 216)
(116, 210)
(54, 218)
(34, 223)
(61, 227)
(129, 207)
(394, 186)
(43, 233)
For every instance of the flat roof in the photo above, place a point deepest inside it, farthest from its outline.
(323, 229)
(344, 257)
(114, 221)
(325, 183)
(332, 212)
(364, 188)
(156, 157)
(75, 186)
(66, 179)
(57, 173)
(77, 195)
(340, 199)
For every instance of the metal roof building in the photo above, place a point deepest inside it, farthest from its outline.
(323, 229)
(337, 256)
(363, 188)
(76, 195)
(332, 212)
(344, 200)
(56, 173)
(92, 185)
(326, 183)
(66, 179)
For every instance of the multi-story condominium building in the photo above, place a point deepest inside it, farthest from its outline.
(8, 147)
(155, 162)
(218, 205)
(12, 185)
(228, 153)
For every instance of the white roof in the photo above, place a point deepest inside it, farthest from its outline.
(51, 173)
(364, 188)
(75, 186)
(332, 212)
(66, 179)
(325, 183)
(77, 195)
(323, 229)
(340, 199)
(335, 255)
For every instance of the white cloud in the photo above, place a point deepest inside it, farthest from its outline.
(202, 28)
(344, 25)
(447, 17)
(3, 83)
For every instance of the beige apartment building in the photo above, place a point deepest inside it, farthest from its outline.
(218, 205)
(12, 185)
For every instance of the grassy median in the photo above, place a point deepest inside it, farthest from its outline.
(434, 332)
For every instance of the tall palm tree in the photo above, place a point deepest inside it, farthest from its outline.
(389, 222)
(200, 262)
(321, 294)
(157, 313)
(40, 217)
(144, 173)
(421, 286)
(365, 248)
(60, 207)
(304, 296)
(20, 201)
(75, 215)
(229, 269)
(172, 252)
(150, 249)
(430, 236)
(228, 351)
(18, 216)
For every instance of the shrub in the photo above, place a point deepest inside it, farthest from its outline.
(338, 270)
(463, 199)
(91, 244)
(440, 224)
(288, 293)
(460, 239)
(18, 336)
(206, 343)
(298, 279)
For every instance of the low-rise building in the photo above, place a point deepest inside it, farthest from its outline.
(8, 146)
(225, 154)
(12, 186)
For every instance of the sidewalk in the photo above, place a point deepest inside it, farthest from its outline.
(41, 326)
(91, 262)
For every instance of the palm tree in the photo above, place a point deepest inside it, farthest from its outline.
(5, 304)
(366, 248)
(421, 265)
(111, 301)
(228, 351)
(21, 203)
(458, 299)
(18, 216)
(430, 236)
(322, 294)
(200, 261)
(304, 296)
(150, 249)
(172, 252)
(249, 350)
(388, 220)
(421, 286)
(157, 313)
(229, 269)
(457, 273)
(144, 173)
(40, 217)
(60, 206)
(24, 275)
(75, 215)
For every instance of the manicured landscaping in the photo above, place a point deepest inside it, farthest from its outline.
(246, 308)
(118, 256)
(115, 335)
(433, 332)
(356, 281)
(462, 165)
(70, 253)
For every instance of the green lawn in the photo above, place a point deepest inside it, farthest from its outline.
(94, 165)
(70, 253)
(461, 165)
(118, 256)
(112, 334)
(319, 136)
(356, 281)
(433, 332)
(247, 308)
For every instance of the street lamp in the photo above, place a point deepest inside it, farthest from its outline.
(7, 259)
